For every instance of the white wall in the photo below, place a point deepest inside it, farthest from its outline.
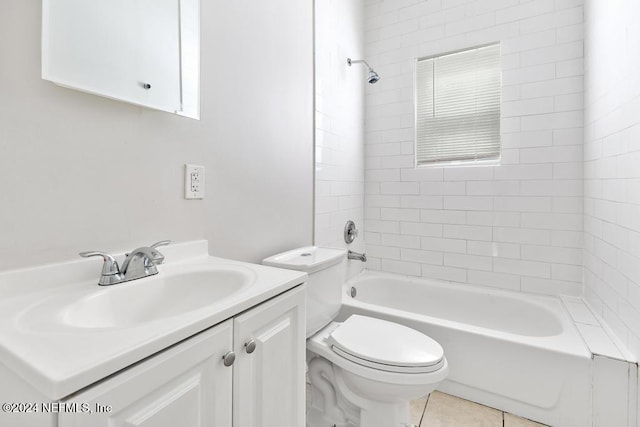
(339, 122)
(612, 166)
(80, 172)
(517, 225)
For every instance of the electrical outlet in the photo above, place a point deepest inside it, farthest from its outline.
(193, 182)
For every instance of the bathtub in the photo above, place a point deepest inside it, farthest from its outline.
(520, 353)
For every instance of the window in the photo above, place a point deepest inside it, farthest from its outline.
(458, 107)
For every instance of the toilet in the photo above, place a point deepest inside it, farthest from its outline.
(363, 371)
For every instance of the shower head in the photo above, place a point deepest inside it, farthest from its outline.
(373, 77)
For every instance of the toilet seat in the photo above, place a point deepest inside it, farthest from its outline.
(318, 344)
(386, 346)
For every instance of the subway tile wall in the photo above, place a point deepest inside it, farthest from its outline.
(339, 161)
(612, 167)
(518, 225)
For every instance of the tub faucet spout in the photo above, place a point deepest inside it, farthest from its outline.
(355, 255)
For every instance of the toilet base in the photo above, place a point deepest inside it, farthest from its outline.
(385, 415)
(377, 415)
(333, 403)
(316, 418)
(372, 412)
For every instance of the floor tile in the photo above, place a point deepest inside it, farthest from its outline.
(444, 410)
(417, 409)
(515, 421)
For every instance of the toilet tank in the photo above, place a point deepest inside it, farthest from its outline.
(326, 268)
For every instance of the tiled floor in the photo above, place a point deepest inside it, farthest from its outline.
(443, 410)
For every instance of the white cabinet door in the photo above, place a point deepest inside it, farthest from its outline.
(269, 382)
(158, 54)
(122, 49)
(186, 386)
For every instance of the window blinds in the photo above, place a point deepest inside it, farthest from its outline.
(458, 107)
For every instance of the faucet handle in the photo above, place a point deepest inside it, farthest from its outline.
(110, 266)
(158, 258)
(160, 243)
(350, 232)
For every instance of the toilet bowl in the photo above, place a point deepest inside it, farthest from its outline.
(379, 366)
(363, 371)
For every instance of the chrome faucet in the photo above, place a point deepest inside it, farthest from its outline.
(357, 256)
(141, 262)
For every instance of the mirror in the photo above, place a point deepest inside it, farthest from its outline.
(145, 52)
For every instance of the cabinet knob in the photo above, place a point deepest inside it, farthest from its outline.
(146, 86)
(229, 358)
(250, 346)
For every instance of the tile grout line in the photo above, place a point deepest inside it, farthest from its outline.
(424, 411)
(503, 413)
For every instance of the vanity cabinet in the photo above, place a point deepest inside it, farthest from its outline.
(268, 380)
(186, 385)
(189, 384)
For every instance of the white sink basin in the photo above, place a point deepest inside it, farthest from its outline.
(156, 297)
(171, 292)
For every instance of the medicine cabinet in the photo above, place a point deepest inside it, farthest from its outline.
(145, 52)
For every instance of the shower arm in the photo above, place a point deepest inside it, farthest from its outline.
(355, 61)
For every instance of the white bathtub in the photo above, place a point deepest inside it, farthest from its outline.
(517, 352)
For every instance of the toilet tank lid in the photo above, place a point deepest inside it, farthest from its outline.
(308, 259)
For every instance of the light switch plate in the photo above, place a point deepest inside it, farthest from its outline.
(193, 182)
